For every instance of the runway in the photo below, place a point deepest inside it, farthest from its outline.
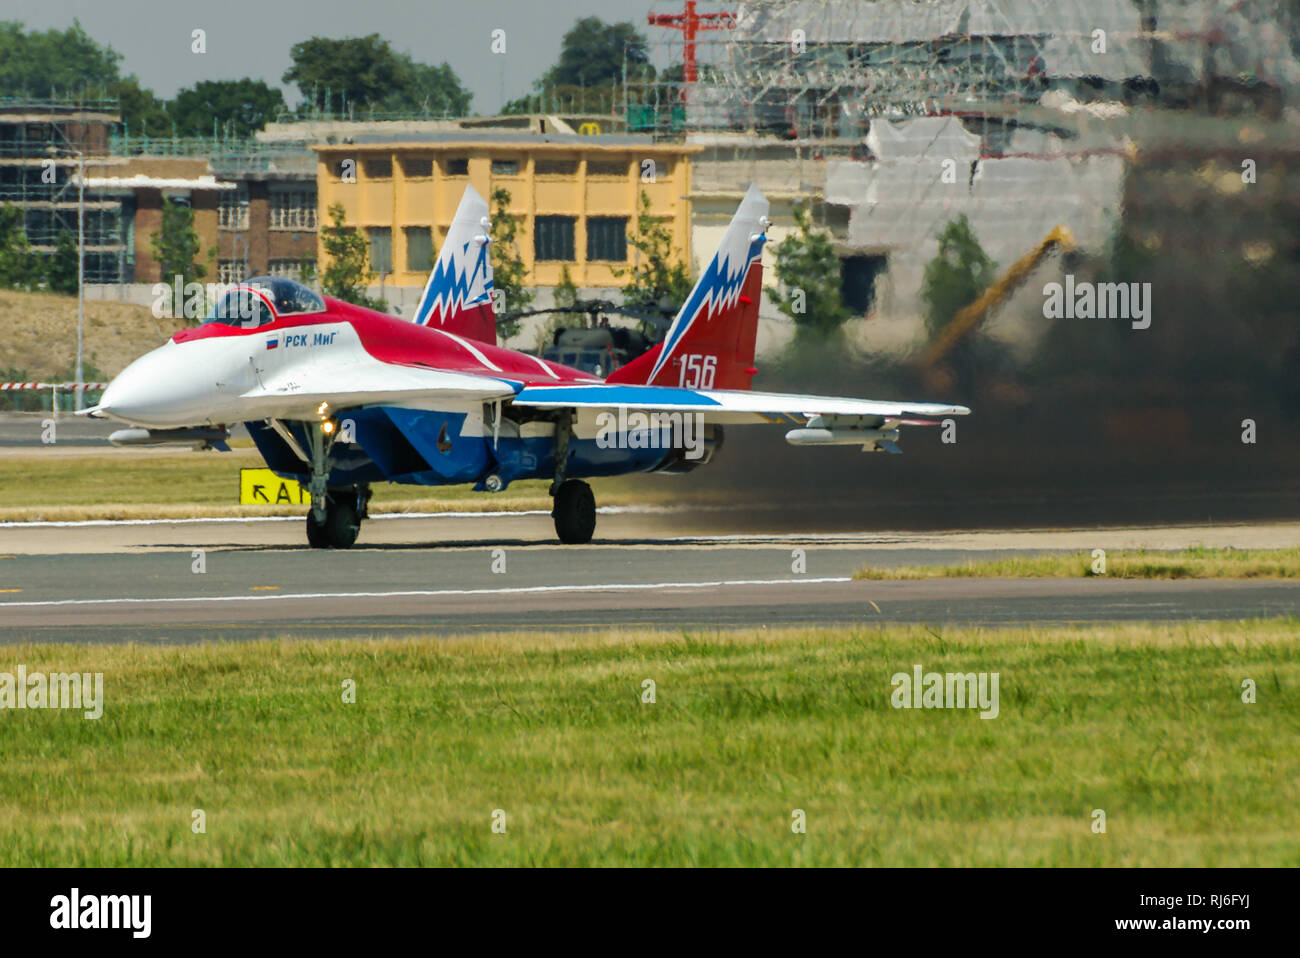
(137, 582)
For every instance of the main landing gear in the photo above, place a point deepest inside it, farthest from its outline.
(574, 511)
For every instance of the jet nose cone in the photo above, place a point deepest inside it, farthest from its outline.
(152, 391)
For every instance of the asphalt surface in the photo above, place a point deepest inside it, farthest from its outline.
(259, 583)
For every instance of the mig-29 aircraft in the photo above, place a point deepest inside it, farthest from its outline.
(340, 397)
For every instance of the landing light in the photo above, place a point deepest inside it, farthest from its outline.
(327, 427)
(323, 410)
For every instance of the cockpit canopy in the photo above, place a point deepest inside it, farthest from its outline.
(246, 305)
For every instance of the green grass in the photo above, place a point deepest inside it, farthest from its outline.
(136, 485)
(1145, 722)
(1197, 562)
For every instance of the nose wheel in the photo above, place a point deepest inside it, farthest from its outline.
(574, 512)
(344, 510)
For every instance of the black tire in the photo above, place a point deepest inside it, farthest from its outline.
(316, 533)
(342, 523)
(574, 512)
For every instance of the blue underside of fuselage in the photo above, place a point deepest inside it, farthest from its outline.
(417, 447)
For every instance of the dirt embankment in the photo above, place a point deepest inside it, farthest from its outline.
(38, 335)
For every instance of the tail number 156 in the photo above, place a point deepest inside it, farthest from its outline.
(697, 371)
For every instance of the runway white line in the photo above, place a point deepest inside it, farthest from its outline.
(424, 593)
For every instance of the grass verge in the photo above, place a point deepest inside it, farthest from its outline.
(1145, 722)
(1197, 562)
(168, 484)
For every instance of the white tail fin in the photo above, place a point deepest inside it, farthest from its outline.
(458, 296)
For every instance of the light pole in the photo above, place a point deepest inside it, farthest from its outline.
(81, 268)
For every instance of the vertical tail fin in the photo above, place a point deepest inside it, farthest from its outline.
(458, 296)
(710, 344)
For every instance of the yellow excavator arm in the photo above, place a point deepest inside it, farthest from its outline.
(971, 316)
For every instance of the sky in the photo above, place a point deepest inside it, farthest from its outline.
(252, 37)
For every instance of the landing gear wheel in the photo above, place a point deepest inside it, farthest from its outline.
(574, 512)
(341, 525)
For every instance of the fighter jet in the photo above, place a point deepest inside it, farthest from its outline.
(340, 397)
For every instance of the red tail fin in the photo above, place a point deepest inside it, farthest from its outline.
(710, 344)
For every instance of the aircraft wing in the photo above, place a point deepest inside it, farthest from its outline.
(724, 405)
(299, 393)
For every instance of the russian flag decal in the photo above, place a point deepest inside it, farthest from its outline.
(273, 342)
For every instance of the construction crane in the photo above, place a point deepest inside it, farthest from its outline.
(970, 317)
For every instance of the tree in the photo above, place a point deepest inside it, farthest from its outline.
(656, 277)
(566, 291)
(592, 53)
(62, 269)
(347, 272)
(808, 272)
(511, 296)
(589, 72)
(53, 62)
(143, 114)
(18, 268)
(239, 107)
(954, 279)
(176, 245)
(956, 276)
(365, 72)
(427, 89)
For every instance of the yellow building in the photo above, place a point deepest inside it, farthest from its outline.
(576, 197)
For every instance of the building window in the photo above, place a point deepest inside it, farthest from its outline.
(232, 208)
(456, 166)
(557, 167)
(231, 271)
(294, 269)
(381, 249)
(293, 210)
(380, 168)
(505, 167)
(607, 168)
(419, 249)
(858, 278)
(607, 238)
(553, 238)
(417, 167)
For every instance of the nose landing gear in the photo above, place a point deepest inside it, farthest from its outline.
(341, 524)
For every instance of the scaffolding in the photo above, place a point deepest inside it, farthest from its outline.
(43, 144)
(825, 68)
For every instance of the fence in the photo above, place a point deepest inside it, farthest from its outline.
(69, 393)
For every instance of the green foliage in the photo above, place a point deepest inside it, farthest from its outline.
(588, 75)
(366, 73)
(176, 245)
(18, 265)
(239, 107)
(592, 54)
(347, 270)
(656, 276)
(53, 62)
(808, 272)
(428, 89)
(143, 114)
(61, 271)
(508, 270)
(957, 276)
(566, 293)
